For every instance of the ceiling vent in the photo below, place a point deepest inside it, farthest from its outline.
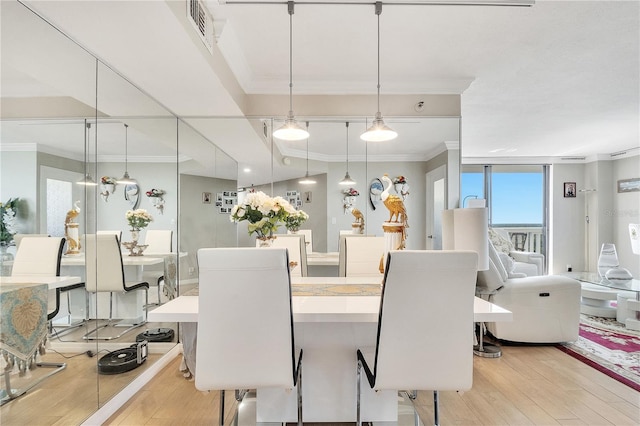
(202, 21)
(573, 158)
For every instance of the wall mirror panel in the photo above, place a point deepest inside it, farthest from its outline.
(64, 124)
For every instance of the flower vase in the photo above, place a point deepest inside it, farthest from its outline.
(6, 260)
(135, 234)
(293, 230)
(265, 241)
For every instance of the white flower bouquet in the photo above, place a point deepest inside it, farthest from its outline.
(296, 219)
(264, 214)
(138, 219)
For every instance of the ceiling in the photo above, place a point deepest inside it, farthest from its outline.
(559, 79)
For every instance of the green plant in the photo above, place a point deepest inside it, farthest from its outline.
(8, 224)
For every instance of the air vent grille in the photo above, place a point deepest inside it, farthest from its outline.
(573, 158)
(202, 21)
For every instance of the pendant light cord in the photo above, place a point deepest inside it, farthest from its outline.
(126, 148)
(378, 12)
(307, 149)
(290, 58)
(347, 147)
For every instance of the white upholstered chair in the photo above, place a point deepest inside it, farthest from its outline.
(546, 309)
(41, 255)
(17, 238)
(360, 255)
(105, 273)
(159, 241)
(297, 252)
(308, 238)
(518, 264)
(422, 290)
(251, 288)
(111, 232)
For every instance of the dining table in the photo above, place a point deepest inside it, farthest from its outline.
(333, 316)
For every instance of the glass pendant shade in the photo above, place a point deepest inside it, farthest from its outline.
(88, 181)
(291, 130)
(347, 180)
(125, 179)
(307, 180)
(379, 132)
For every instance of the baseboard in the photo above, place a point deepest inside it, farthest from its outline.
(114, 404)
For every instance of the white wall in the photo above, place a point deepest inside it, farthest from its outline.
(20, 180)
(625, 210)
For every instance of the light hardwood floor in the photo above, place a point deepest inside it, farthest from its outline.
(537, 385)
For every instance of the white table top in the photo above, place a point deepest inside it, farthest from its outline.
(78, 260)
(323, 308)
(51, 281)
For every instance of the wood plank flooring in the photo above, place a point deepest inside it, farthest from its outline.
(528, 385)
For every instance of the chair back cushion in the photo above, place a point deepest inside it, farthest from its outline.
(245, 322)
(105, 271)
(308, 238)
(158, 241)
(425, 325)
(17, 238)
(297, 252)
(38, 256)
(362, 256)
(117, 233)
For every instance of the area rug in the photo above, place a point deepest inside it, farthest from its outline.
(609, 347)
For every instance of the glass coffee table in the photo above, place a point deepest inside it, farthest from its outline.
(625, 292)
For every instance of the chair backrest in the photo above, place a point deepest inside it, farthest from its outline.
(425, 323)
(158, 241)
(105, 271)
(361, 256)
(308, 237)
(245, 321)
(17, 238)
(111, 232)
(38, 256)
(297, 252)
(342, 242)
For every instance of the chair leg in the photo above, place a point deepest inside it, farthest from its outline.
(436, 409)
(221, 416)
(359, 384)
(299, 385)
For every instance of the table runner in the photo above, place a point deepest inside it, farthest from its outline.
(23, 324)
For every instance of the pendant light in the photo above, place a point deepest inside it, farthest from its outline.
(347, 179)
(125, 179)
(378, 132)
(291, 130)
(87, 180)
(306, 180)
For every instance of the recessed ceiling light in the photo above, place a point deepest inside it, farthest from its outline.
(247, 170)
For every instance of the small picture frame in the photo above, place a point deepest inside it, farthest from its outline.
(628, 185)
(206, 198)
(570, 190)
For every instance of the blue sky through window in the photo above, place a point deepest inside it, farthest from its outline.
(516, 197)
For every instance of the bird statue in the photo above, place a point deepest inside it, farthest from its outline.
(71, 229)
(359, 219)
(73, 213)
(395, 205)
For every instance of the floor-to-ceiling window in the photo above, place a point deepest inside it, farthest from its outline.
(516, 196)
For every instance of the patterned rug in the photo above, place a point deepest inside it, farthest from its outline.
(609, 347)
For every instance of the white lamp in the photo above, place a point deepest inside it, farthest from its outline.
(307, 180)
(125, 179)
(87, 180)
(347, 179)
(467, 229)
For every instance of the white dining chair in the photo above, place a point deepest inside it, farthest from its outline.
(297, 252)
(245, 322)
(105, 273)
(111, 232)
(17, 238)
(425, 325)
(159, 242)
(308, 238)
(360, 255)
(41, 255)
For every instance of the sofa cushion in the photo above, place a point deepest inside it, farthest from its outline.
(501, 244)
(495, 258)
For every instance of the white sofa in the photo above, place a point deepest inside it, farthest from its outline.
(546, 309)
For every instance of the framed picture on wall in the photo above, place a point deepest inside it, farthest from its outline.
(569, 190)
(629, 185)
(206, 198)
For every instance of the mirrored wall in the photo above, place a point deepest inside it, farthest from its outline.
(67, 143)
